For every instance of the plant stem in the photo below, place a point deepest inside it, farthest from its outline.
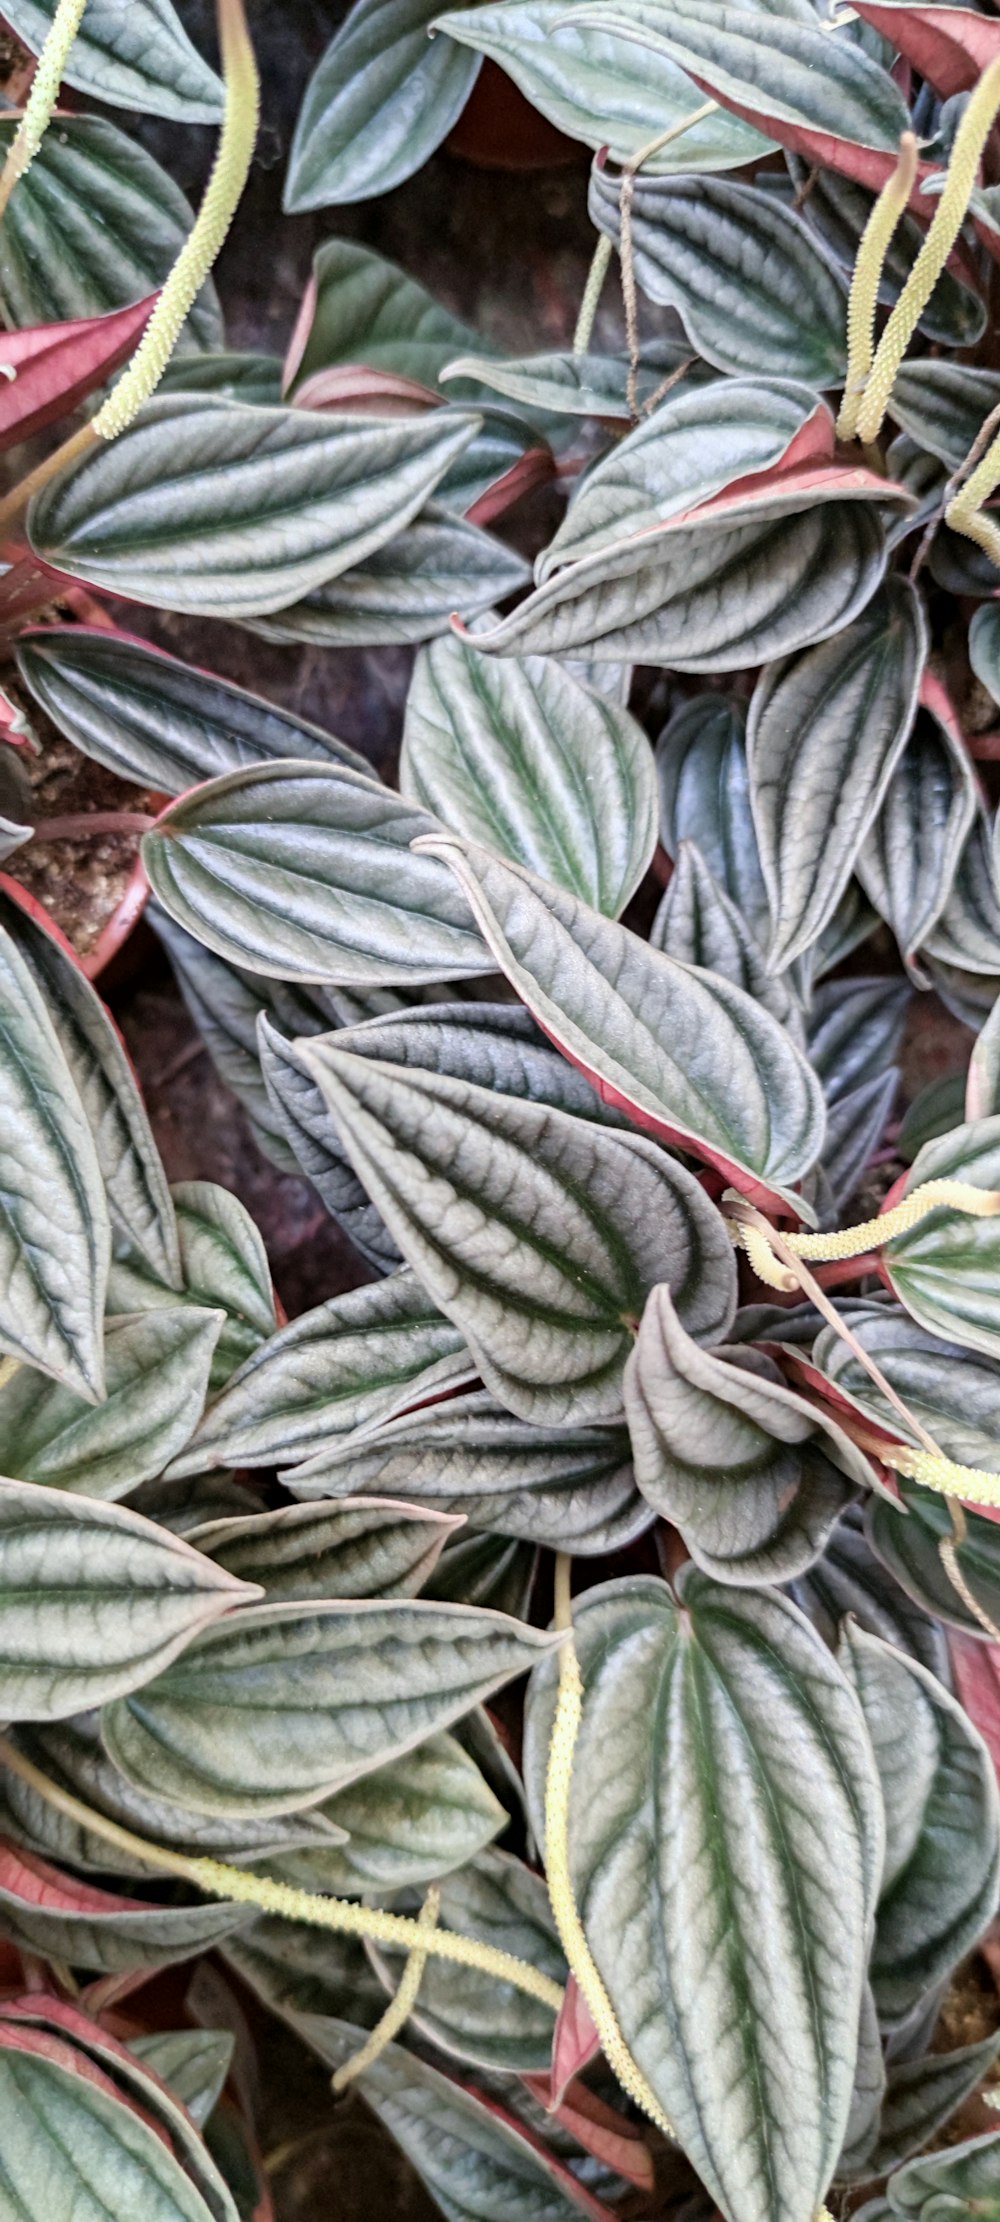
(42, 97)
(395, 1930)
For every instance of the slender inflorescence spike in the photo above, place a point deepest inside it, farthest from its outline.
(399, 2009)
(862, 306)
(572, 1936)
(949, 216)
(854, 1242)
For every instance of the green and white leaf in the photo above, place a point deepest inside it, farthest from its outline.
(362, 309)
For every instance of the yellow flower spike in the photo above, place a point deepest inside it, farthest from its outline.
(399, 2008)
(853, 1242)
(565, 1730)
(862, 306)
(965, 512)
(969, 1483)
(394, 1930)
(43, 95)
(963, 169)
(223, 193)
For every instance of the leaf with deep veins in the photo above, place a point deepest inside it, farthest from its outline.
(687, 1054)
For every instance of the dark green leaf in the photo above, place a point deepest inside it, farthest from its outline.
(966, 933)
(524, 757)
(152, 719)
(306, 872)
(362, 309)
(491, 1570)
(209, 506)
(380, 101)
(705, 797)
(577, 385)
(295, 1701)
(909, 857)
(538, 1234)
(908, 1542)
(253, 378)
(95, 224)
(944, 405)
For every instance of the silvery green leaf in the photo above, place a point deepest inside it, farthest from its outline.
(953, 1394)
(299, 1700)
(868, 2094)
(72, 1755)
(730, 1455)
(194, 2062)
(207, 505)
(961, 2180)
(984, 647)
(223, 1268)
(237, 376)
(95, 1600)
(825, 733)
(685, 1053)
(705, 797)
(855, 1030)
(849, 1580)
(55, 1236)
(935, 1109)
(298, 1116)
(726, 1842)
(59, 1918)
(921, 2096)
(135, 57)
(756, 292)
(698, 923)
(942, 1858)
(594, 86)
(946, 1271)
(538, 1234)
(362, 309)
(380, 100)
(908, 1542)
(776, 572)
(422, 1817)
(157, 1367)
(464, 2012)
(966, 932)
(471, 2156)
(306, 872)
(577, 385)
(366, 1547)
(570, 1487)
(493, 1570)
(910, 854)
(135, 1183)
(70, 2145)
(148, 717)
(352, 1361)
(699, 441)
(983, 1085)
(855, 1125)
(944, 405)
(96, 224)
(296, 1970)
(409, 589)
(521, 755)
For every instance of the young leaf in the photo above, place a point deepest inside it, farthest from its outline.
(55, 1236)
(381, 99)
(686, 1054)
(757, 294)
(524, 757)
(96, 1600)
(730, 1455)
(295, 1701)
(72, 2143)
(367, 1547)
(726, 1849)
(410, 588)
(691, 448)
(152, 719)
(422, 1817)
(55, 366)
(537, 1234)
(95, 225)
(60, 1918)
(157, 1374)
(349, 1363)
(359, 308)
(135, 1184)
(945, 1271)
(825, 732)
(210, 506)
(592, 85)
(570, 1487)
(135, 57)
(306, 872)
(942, 1856)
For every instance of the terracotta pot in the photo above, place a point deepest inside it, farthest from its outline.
(498, 129)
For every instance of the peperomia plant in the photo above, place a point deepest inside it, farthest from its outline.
(558, 1676)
